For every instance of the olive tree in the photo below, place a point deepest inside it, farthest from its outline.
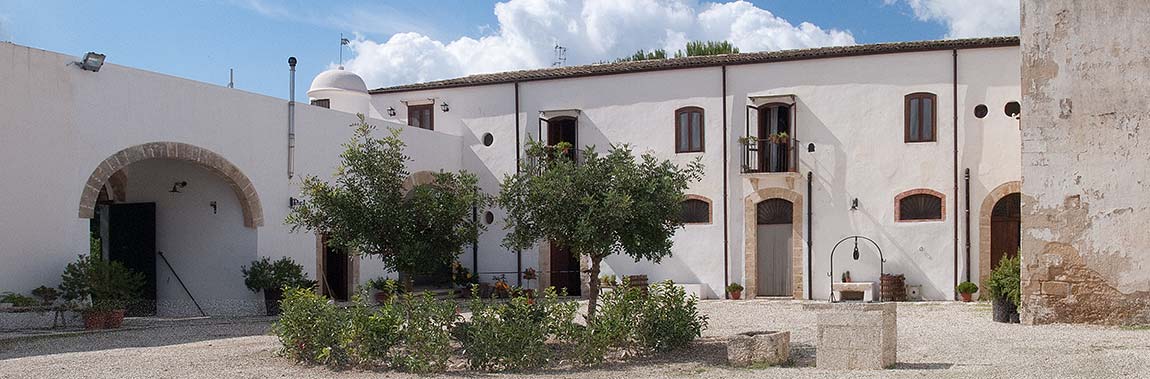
(596, 207)
(367, 210)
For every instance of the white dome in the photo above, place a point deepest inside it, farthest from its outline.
(338, 80)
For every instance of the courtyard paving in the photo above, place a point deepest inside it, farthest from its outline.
(935, 340)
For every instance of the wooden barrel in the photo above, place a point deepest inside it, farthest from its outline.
(893, 288)
(638, 281)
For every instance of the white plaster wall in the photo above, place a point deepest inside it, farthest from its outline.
(206, 249)
(58, 122)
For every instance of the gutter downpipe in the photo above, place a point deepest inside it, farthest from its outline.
(810, 238)
(954, 113)
(967, 208)
(291, 121)
(726, 196)
(518, 147)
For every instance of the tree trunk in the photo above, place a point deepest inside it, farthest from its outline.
(593, 288)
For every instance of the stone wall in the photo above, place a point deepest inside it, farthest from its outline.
(1085, 161)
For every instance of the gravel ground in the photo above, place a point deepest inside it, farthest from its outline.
(935, 340)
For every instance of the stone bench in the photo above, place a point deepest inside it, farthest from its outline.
(867, 289)
(766, 348)
(856, 336)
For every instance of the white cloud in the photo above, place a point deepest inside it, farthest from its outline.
(969, 18)
(591, 30)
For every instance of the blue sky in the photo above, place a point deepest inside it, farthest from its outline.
(401, 41)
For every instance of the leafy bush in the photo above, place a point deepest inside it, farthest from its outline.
(426, 333)
(310, 328)
(670, 318)
(967, 287)
(265, 274)
(17, 300)
(1006, 280)
(109, 284)
(514, 335)
(47, 295)
(370, 334)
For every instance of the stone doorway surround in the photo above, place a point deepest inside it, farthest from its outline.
(750, 237)
(240, 184)
(984, 224)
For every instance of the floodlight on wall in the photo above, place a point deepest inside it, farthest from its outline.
(177, 185)
(92, 61)
(294, 202)
(391, 111)
(444, 107)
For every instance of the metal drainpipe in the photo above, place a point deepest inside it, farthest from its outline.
(954, 113)
(967, 208)
(518, 147)
(810, 234)
(291, 120)
(726, 216)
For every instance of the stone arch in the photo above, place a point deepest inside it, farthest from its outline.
(418, 178)
(240, 184)
(710, 208)
(919, 191)
(750, 248)
(984, 224)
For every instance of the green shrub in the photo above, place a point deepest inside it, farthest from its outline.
(967, 287)
(426, 333)
(310, 329)
(265, 274)
(1006, 280)
(110, 284)
(670, 318)
(47, 295)
(17, 300)
(734, 287)
(513, 335)
(371, 334)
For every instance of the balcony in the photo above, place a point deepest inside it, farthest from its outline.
(765, 156)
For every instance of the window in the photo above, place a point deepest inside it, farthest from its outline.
(421, 116)
(488, 139)
(696, 210)
(326, 103)
(920, 205)
(1012, 109)
(980, 111)
(920, 117)
(689, 130)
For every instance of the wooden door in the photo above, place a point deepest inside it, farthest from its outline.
(1005, 228)
(773, 251)
(565, 271)
(563, 129)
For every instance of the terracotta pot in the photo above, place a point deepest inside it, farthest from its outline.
(736, 295)
(381, 297)
(115, 319)
(965, 297)
(95, 320)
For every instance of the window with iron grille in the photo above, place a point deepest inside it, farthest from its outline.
(696, 211)
(920, 207)
(326, 103)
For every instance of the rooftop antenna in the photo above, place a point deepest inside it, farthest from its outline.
(231, 78)
(560, 56)
(342, 42)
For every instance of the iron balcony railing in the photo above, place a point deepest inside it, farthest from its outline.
(763, 156)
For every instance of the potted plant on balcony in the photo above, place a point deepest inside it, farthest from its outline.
(108, 285)
(271, 278)
(1005, 289)
(965, 289)
(748, 140)
(778, 138)
(735, 290)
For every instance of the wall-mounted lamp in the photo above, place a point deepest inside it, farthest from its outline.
(855, 204)
(444, 107)
(215, 207)
(811, 147)
(294, 202)
(391, 111)
(92, 62)
(177, 185)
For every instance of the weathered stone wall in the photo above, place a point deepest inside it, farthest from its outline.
(1086, 161)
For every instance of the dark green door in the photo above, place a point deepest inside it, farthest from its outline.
(132, 242)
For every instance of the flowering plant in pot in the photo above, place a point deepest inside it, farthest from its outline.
(735, 290)
(272, 277)
(965, 289)
(385, 289)
(1005, 289)
(108, 284)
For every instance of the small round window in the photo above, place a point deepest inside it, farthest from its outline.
(488, 139)
(489, 217)
(980, 111)
(1012, 109)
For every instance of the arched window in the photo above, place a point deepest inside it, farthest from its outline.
(921, 118)
(689, 130)
(696, 210)
(919, 205)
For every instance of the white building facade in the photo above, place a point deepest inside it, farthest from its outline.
(869, 149)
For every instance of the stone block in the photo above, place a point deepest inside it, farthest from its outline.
(767, 348)
(856, 336)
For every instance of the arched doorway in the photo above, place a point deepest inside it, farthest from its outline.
(773, 233)
(999, 227)
(176, 211)
(773, 202)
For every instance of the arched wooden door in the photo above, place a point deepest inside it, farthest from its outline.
(1005, 228)
(774, 233)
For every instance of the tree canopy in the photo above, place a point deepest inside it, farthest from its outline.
(367, 209)
(694, 49)
(600, 206)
